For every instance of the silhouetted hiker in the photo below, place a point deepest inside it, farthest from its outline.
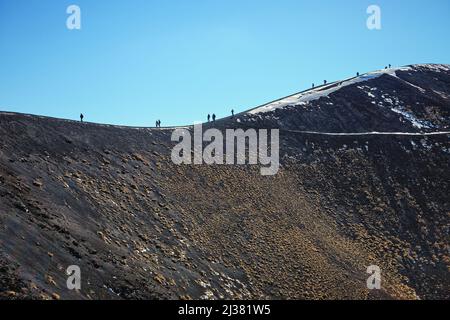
(209, 117)
(324, 81)
(232, 113)
(389, 66)
(313, 85)
(214, 117)
(156, 123)
(357, 74)
(159, 123)
(81, 117)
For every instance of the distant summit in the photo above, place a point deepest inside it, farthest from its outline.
(412, 98)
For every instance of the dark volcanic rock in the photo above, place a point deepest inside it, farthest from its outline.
(110, 200)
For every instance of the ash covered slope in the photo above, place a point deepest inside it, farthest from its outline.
(109, 200)
(409, 99)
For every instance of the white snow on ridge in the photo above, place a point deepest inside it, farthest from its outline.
(323, 91)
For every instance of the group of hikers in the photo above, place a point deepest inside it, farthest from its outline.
(357, 74)
(209, 117)
(158, 122)
(214, 116)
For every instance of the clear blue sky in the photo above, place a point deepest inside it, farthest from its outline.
(135, 61)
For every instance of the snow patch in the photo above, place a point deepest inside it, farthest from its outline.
(323, 91)
(421, 124)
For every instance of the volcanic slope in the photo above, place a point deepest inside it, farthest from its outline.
(110, 200)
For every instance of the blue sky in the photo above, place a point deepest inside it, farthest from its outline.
(136, 61)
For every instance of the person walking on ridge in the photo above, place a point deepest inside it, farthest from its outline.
(209, 117)
(81, 117)
(214, 117)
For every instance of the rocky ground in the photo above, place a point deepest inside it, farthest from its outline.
(110, 200)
